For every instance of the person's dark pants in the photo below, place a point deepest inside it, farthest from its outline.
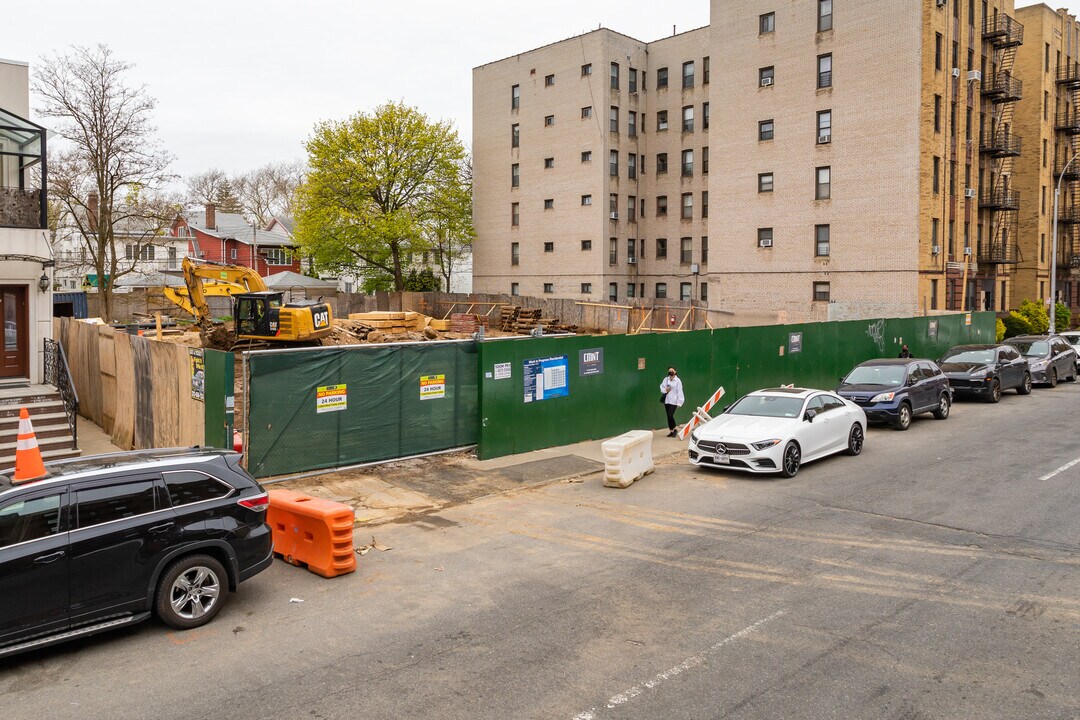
(670, 415)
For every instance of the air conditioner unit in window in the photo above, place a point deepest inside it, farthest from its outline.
(970, 193)
(942, 3)
(766, 82)
(695, 268)
(935, 250)
(614, 216)
(974, 76)
(824, 138)
(631, 261)
(765, 243)
(956, 72)
(967, 251)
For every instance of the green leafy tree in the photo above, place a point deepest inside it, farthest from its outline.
(1016, 324)
(1062, 317)
(999, 328)
(1036, 315)
(422, 280)
(377, 185)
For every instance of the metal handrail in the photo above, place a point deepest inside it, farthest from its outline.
(58, 373)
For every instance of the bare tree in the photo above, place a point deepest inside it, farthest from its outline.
(205, 187)
(268, 191)
(107, 175)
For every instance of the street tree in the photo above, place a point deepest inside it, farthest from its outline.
(377, 184)
(110, 169)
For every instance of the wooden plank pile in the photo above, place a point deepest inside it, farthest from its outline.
(393, 323)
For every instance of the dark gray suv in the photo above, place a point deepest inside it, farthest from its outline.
(1050, 358)
(102, 542)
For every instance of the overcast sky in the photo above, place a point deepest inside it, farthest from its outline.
(241, 83)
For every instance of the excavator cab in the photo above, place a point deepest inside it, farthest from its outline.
(257, 315)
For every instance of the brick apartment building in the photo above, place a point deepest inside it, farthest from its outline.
(229, 238)
(866, 160)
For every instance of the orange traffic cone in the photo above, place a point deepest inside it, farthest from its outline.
(28, 462)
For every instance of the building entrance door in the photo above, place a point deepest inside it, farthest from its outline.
(15, 338)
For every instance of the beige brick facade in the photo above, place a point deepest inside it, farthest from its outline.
(909, 89)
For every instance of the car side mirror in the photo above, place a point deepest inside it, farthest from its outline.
(842, 381)
(811, 414)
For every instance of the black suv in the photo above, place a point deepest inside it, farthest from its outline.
(1048, 356)
(101, 542)
(983, 371)
(893, 391)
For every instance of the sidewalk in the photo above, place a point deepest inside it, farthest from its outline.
(590, 450)
(92, 439)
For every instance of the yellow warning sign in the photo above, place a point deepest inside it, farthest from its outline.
(329, 398)
(432, 387)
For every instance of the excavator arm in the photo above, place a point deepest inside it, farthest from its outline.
(203, 279)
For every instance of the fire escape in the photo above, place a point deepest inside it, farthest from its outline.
(998, 145)
(1067, 124)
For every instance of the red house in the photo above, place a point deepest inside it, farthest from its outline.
(229, 238)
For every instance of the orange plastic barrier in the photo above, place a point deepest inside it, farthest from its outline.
(314, 532)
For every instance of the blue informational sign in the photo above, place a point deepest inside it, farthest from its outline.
(547, 378)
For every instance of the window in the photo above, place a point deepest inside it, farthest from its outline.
(515, 175)
(1044, 153)
(705, 160)
(549, 247)
(704, 204)
(515, 253)
(765, 182)
(631, 125)
(630, 290)
(586, 200)
(586, 288)
(704, 249)
(821, 241)
(631, 208)
(631, 80)
(515, 289)
(705, 71)
(586, 112)
(688, 206)
(765, 130)
(767, 23)
(187, 486)
(613, 163)
(937, 113)
(549, 163)
(613, 119)
(824, 15)
(661, 78)
(114, 502)
(661, 120)
(937, 51)
(933, 294)
(586, 70)
(661, 291)
(515, 214)
(549, 120)
(631, 251)
(937, 175)
(549, 204)
(278, 256)
(549, 288)
(28, 519)
(684, 291)
(686, 250)
(688, 75)
(704, 116)
(704, 292)
(613, 292)
(824, 71)
(661, 248)
(765, 76)
(687, 163)
(631, 166)
(688, 118)
(549, 81)
(232, 253)
(824, 184)
(613, 205)
(614, 76)
(661, 163)
(613, 251)
(821, 292)
(515, 97)
(824, 127)
(515, 135)
(764, 237)
(586, 156)
(172, 255)
(586, 245)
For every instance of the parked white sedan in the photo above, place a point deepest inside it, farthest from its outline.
(778, 430)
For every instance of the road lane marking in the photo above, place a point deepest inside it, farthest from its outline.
(1060, 470)
(689, 663)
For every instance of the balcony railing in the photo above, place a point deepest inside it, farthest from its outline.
(1003, 31)
(1000, 199)
(1002, 88)
(1069, 215)
(1068, 122)
(1069, 74)
(1000, 144)
(997, 253)
(22, 209)
(1069, 174)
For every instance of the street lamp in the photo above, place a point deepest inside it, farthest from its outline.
(1053, 251)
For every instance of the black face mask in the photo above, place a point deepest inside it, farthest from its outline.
(671, 374)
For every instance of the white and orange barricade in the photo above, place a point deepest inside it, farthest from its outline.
(701, 415)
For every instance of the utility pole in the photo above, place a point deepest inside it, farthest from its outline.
(1053, 252)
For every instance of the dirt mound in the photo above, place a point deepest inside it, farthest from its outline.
(220, 337)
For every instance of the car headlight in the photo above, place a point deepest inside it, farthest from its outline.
(765, 444)
(694, 438)
(979, 374)
(1039, 364)
(883, 397)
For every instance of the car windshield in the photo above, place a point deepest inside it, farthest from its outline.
(1032, 348)
(876, 375)
(981, 357)
(767, 406)
(1071, 339)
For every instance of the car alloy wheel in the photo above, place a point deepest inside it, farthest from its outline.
(903, 420)
(191, 592)
(792, 460)
(855, 440)
(942, 412)
(995, 391)
(1053, 377)
(1025, 386)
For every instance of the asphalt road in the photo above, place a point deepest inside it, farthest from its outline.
(936, 576)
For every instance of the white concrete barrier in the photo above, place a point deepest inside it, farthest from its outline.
(627, 458)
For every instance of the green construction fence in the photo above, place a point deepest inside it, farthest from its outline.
(621, 391)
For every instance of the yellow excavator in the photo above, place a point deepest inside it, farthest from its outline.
(258, 313)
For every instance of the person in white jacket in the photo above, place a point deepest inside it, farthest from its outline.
(673, 397)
